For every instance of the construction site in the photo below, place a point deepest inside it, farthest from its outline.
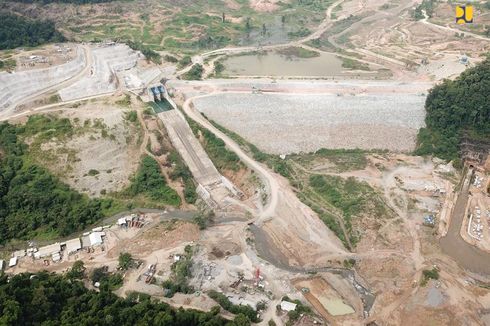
(276, 242)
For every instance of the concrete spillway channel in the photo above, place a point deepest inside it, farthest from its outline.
(213, 187)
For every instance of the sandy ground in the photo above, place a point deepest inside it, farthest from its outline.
(114, 156)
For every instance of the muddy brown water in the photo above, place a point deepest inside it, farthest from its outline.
(268, 251)
(466, 255)
(274, 64)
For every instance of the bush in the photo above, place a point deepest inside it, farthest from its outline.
(151, 182)
(16, 31)
(195, 73)
(33, 200)
(456, 109)
(226, 304)
(125, 261)
(50, 299)
(428, 274)
(77, 271)
(131, 116)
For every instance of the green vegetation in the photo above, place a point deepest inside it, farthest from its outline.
(78, 2)
(195, 73)
(349, 196)
(455, 110)
(8, 64)
(202, 219)
(50, 299)
(181, 171)
(16, 31)
(343, 159)
(335, 11)
(339, 202)
(216, 149)
(226, 304)
(349, 263)
(77, 271)
(427, 6)
(301, 32)
(149, 181)
(298, 52)
(181, 271)
(339, 26)
(93, 172)
(106, 280)
(219, 67)
(170, 58)
(131, 116)
(126, 101)
(126, 261)
(428, 274)
(185, 61)
(33, 201)
(354, 64)
(150, 54)
(296, 313)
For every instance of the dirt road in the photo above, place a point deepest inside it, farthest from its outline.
(291, 227)
(66, 82)
(466, 255)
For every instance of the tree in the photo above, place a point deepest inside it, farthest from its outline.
(455, 110)
(77, 271)
(125, 261)
(241, 320)
(248, 26)
(18, 31)
(50, 299)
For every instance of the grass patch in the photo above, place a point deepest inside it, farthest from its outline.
(222, 158)
(195, 73)
(298, 52)
(329, 196)
(125, 101)
(429, 274)
(349, 63)
(150, 182)
(226, 304)
(181, 272)
(181, 171)
(351, 197)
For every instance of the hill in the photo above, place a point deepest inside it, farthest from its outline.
(457, 109)
(16, 31)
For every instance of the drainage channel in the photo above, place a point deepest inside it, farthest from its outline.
(265, 250)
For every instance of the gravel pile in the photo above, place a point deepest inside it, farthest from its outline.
(281, 124)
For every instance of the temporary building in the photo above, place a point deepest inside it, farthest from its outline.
(13, 261)
(20, 253)
(56, 257)
(86, 241)
(73, 245)
(48, 250)
(288, 306)
(96, 238)
(121, 221)
(2, 264)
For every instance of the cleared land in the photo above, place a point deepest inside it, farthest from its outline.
(98, 154)
(304, 123)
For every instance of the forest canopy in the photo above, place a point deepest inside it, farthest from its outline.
(16, 31)
(456, 109)
(32, 200)
(78, 2)
(50, 299)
